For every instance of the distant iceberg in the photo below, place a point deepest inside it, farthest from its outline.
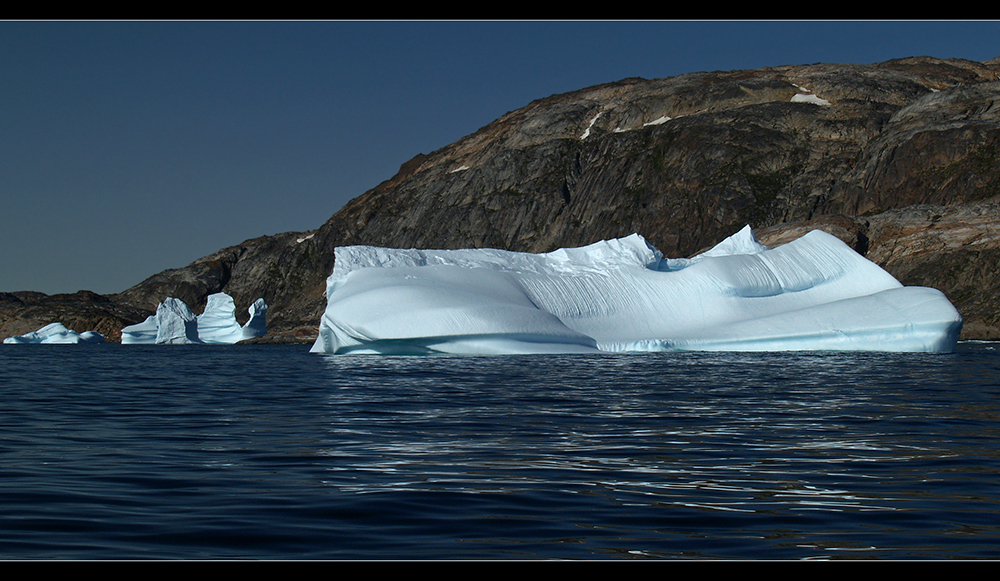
(175, 323)
(257, 325)
(218, 323)
(56, 333)
(814, 293)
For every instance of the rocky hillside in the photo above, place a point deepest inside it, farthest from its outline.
(901, 159)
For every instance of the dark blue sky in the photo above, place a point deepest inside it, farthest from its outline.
(130, 147)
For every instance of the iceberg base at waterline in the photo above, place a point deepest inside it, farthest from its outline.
(814, 293)
(56, 333)
(175, 324)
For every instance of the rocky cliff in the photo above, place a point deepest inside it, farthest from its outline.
(900, 159)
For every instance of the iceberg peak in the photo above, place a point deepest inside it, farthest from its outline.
(743, 242)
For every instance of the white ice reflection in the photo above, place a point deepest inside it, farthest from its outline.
(728, 433)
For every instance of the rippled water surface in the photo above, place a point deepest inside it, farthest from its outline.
(271, 452)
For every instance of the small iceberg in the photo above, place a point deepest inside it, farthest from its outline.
(56, 333)
(257, 325)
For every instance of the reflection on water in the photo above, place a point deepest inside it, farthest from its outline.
(738, 432)
(273, 452)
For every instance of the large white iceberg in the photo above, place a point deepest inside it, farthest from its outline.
(175, 323)
(56, 333)
(814, 293)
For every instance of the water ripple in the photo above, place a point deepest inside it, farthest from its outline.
(272, 452)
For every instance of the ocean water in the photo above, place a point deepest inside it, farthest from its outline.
(272, 452)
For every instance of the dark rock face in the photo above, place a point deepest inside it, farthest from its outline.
(24, 312)
(899, 159)
(286, 270)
